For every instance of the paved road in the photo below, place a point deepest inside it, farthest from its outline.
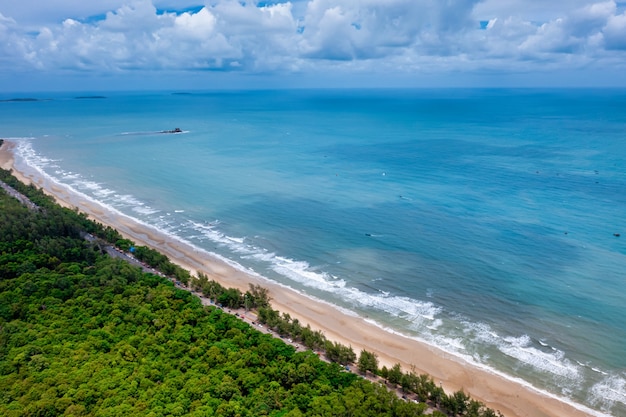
(19, 196)
(111, 250)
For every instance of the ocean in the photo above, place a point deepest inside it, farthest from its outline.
(488, 222)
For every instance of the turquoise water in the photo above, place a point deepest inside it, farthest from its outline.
(481, 221)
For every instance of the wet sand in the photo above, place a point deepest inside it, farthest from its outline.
(512, 398)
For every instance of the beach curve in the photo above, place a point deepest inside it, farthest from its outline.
(512, 398)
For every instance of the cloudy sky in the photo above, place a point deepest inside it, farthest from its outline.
(173, 44)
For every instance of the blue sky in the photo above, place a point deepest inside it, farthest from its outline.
(179, 44)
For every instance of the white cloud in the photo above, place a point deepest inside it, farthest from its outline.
(138, 16)
(537, 11)
(15, 51)
(332, 33)
(368, 29)
(590, 18)
(576, 33)
(30, 13)
(198, 26)
(615, 32)
(403, 36)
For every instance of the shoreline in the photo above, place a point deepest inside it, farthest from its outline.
(512, 398)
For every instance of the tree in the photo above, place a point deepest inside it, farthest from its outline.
(257, 296)
(368, 361)
(457, 403)
(410, 409)
(200, 282)
(231, 298)
(395, 374)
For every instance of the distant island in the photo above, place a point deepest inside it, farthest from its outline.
(25, 99)
(89, 97)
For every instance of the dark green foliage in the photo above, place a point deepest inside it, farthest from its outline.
(457, 403)
(124, 244)
(285, 326)
(336, 352)
(154, 259)
(395, 374)
(256, 297)
(368, 361)
(231, 298)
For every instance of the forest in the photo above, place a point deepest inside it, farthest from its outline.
(85, 334)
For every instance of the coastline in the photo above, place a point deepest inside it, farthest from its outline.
(512, 398)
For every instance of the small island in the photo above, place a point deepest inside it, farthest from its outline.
(22, 99)
(175, 130)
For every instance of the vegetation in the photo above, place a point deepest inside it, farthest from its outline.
(85, 334)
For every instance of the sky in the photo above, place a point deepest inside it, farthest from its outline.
(215, 44)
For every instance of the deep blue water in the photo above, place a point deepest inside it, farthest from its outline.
(481, 221)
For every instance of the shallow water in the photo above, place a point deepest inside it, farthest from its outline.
(481, 221)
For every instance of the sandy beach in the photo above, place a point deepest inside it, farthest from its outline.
(512, 398)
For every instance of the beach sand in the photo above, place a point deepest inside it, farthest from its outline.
(512, 398)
